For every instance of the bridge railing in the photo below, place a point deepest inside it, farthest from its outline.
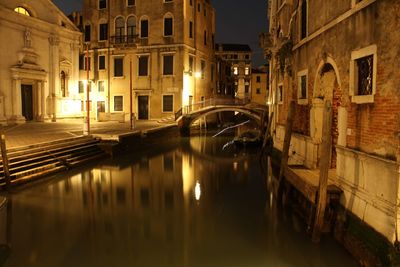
(211, 102)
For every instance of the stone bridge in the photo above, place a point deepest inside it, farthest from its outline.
(189, 114)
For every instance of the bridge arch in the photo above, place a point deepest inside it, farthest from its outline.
(187, 120)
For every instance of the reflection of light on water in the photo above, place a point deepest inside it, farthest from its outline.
(271, 198)
(197, 191)
(235, 165)
(246, 165)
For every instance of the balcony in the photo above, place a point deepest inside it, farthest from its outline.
(124, 40)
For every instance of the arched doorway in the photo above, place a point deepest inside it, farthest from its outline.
(326, 88)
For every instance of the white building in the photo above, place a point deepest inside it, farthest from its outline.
(39, 62)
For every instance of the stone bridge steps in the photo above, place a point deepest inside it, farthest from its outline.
(27, 163)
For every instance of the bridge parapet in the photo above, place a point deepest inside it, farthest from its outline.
(211, 102)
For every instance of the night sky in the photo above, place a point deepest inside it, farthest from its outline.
(238, 21)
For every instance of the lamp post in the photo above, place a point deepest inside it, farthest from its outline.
(130, 94)
(86, 126)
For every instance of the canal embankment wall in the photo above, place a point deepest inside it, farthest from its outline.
(139, 140)
(368, 245)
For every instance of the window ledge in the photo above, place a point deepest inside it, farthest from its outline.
(168, 75)
(362, 99)
(119, 77)
(302, 101)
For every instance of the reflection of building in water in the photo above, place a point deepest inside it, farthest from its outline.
(148, 208)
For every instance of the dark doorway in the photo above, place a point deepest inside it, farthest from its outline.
(143, 105)
(27, 101)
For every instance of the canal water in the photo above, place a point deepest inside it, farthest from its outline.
(191, 203)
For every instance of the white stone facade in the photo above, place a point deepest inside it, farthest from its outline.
(38, 48)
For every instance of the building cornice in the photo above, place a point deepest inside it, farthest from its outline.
(360, 6)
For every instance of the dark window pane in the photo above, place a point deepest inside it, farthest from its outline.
(102, 4)
(168, 106)
(143, 66)
(144, 28)
(190, 29)
(303, 29)
(87, 33)
(168, 26)
(131, 2)
(103, 31)
(168, 66)
(81, 62)
(102, 62)
(118, 67)
(145, 197)
(168, 159)
(303, 84)
(365, 73)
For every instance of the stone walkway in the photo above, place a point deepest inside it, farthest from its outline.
(38, 132)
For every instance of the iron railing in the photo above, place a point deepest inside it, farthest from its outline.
(124, 39)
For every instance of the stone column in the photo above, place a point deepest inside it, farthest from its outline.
(40, 101)
(17, 101)
(54, 75)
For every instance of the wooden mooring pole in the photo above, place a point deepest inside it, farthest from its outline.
(323, 172)
(286, 145)
(4, 157)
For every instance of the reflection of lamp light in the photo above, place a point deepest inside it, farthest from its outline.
(197, 191)
(189, 85)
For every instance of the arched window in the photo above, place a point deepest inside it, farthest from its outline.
(131, 29)
(119, 30)
(168, 25)
(63, 84)
(23, 11)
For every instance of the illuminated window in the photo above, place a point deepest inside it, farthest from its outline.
(101, 86)
(235, 70)
(203, 68)
(63, 84)
(22, 11)
(247, 71)
(118, 102)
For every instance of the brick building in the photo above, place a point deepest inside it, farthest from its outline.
(345, 52)
(167, 47)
